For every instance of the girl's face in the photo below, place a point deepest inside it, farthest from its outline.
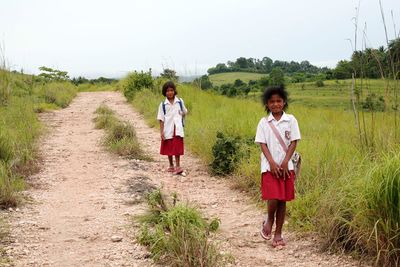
(170, 93)
(275, 104)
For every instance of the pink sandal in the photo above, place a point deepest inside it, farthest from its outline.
(171, 169)
(278, 243)
(178, 170)
(262, 232)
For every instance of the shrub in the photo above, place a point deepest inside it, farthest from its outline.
(319, 83)
(136, 81)
(226, 153)
(374, 103)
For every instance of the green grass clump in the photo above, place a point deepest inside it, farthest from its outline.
(120, 136)
(105, 118)
(45, 107)
(58, 93)
(177, 235)
(10, 184)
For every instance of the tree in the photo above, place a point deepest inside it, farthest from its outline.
(277, 77)
(203, 82)
(50, 74)
(264, 82)
(238, 83)
(169, 74)
(242, 63)
(343, 70)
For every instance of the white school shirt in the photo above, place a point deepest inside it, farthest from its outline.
(288, 128)
(172, 117)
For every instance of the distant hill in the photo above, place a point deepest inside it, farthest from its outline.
(230, 77)
(188, 78)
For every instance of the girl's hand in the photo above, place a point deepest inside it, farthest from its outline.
(285, 169)
(182, 113)
(162, 136)
(275, 169)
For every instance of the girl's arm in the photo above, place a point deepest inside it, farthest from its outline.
(285, 162)
(275, 170)
(162, 130)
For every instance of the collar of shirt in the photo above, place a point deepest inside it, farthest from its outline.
(284, 117)
(166, 101)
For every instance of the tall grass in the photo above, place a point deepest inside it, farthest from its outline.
(334, 170)
(20, 128)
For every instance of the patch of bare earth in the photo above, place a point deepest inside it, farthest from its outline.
(84, 196)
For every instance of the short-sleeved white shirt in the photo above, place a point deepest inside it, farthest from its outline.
(288, 128)
(172, 117)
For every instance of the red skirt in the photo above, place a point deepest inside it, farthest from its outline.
(172, 147)
(277, 188)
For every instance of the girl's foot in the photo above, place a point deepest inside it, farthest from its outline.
(171, 169)
(266, 230)
(278, 242)
(178, 170)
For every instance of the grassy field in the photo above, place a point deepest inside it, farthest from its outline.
(337, 194)
(230, 77)
(334, 93)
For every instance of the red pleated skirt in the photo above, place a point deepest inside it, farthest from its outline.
(277, 188)
(172, 147)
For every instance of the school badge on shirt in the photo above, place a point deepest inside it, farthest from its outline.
(287, 135)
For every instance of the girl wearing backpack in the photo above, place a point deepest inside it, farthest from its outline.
(277, 134)
(170, 114)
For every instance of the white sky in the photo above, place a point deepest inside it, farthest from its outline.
(109, 38)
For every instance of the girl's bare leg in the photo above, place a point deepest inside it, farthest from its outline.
(272, 208)
(171, 162)
(280, 219)
(178, 161)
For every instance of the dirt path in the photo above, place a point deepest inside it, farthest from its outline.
(83, 196)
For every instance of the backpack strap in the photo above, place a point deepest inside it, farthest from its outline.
(278, 136)
(163, 108)
(180, 104)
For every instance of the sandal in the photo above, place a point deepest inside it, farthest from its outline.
(178, 170)
(262, 232)
(278, 243)
(171, 169)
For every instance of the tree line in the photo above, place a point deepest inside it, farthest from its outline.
(367, 63)
(264, 65)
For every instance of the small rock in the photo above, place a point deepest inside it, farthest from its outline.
(17, 209)
(103, 207)
(116, 238)
(10, 209)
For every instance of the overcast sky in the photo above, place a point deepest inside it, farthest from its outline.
(109, 38)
